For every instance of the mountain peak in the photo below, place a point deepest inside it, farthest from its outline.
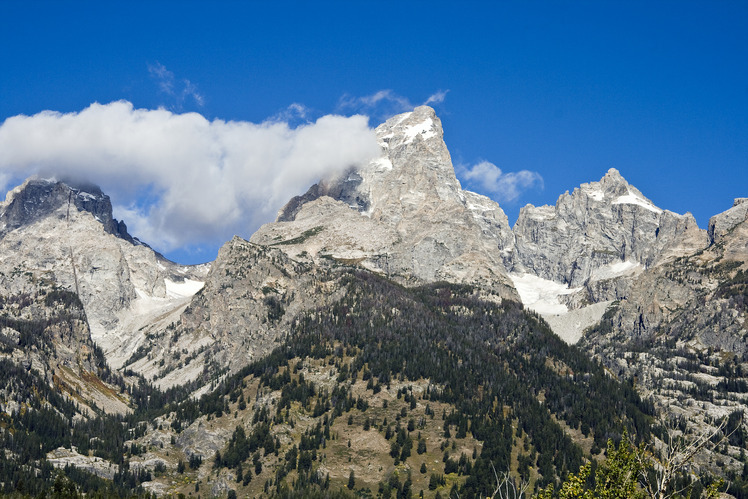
(598, 226)
(411, 128)
(404, 214)
(38, 197)
(614, 174)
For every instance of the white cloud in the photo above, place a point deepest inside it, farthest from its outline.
(383, 103)
(179, 179)
(294, 113)
(190, 90)
(505, 186)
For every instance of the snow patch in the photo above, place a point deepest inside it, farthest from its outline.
(615, 270)
(481, 203)
(594, 193)
(382, 164)
(403, 117)
(183, 289)
(87, 195)
(631, 198)
(571, 325)
(425, 129)
(541, 295)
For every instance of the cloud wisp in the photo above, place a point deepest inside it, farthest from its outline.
(504, 186)
(180, 179)
(384, 104)
(168, 85)
(437, 98)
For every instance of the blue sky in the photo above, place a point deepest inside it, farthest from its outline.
(658, 90)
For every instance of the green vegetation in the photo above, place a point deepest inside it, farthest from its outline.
(300, 239)
(495, 370)
(433, 387)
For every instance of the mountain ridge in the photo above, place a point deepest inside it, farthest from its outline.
(635, 285)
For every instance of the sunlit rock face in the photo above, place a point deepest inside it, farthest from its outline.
(53, 232)
(599, 225)
(404, 214)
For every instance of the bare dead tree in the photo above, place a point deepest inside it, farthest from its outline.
(660, 469)
(506, 488)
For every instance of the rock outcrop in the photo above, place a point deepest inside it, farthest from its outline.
(721, 224)
(52, 232)
(251, 296)
(404, 215)
(681, 331)
(38, 198)
(597, 226)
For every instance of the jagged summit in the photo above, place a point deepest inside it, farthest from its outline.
(615, 189)
(414, 165)
(403, 214)
(600, 224)
(37, 198)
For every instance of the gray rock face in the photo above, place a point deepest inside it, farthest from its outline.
(404, 214)
(721, 224)
(38, 198)
(599, 225)
(681, 329)
(54, 233)
(698, 298)
(47, 333)
(251, 296)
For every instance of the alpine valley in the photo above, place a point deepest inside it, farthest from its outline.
(389, 335)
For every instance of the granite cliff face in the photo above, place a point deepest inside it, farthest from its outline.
(251, 296)
(573, 259)
(697, 299)
(37, 199)
(404, 215)
(55, 233)
(680, 330)
(720, 225)
(599, 225)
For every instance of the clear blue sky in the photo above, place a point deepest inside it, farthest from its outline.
(658, 90)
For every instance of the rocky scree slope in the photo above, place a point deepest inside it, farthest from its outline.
(251, 296)
(681, 331)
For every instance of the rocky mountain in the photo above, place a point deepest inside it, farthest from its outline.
(251, 296)
(596, 228)
(404, 215)
(91, 310)
(64, 235)
(572, 260)
(680, 330)
(37, 199)
(45, 334)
